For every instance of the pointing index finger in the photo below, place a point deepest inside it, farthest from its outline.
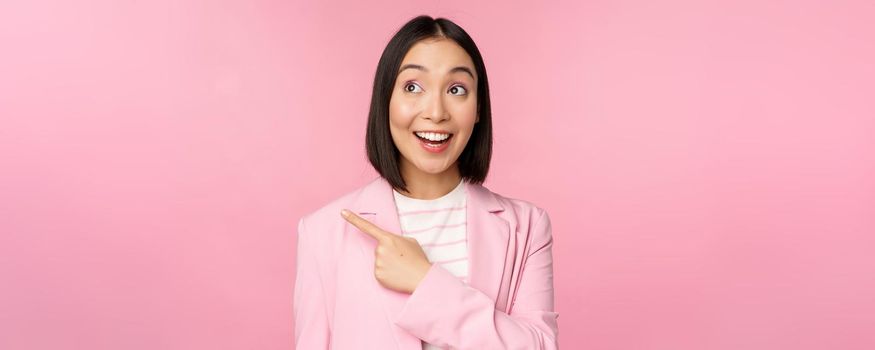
(363, 225)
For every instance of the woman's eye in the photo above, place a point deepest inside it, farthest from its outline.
(458, 90)
(411, 87)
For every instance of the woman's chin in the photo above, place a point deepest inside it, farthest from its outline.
(433, 171)
(432, 168)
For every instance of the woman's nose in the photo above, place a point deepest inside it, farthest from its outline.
(436, 110)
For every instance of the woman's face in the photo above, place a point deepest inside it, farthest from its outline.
(436, 91)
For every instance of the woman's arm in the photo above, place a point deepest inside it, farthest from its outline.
(446, 312)
(311, 317)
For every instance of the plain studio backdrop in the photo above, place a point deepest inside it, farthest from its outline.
(709, 166)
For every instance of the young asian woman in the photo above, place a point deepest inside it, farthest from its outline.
(362, 284)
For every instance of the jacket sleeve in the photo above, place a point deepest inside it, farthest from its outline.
(311, 318)
(446, 312)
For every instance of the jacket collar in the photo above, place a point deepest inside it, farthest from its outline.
(376, 197)
(488, 236)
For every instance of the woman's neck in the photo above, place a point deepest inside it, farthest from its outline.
(422, 185)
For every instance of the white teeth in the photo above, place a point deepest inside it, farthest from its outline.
(431, 136)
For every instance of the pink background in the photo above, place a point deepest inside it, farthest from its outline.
(709, 168)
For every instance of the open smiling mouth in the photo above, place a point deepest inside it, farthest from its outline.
(433, 142)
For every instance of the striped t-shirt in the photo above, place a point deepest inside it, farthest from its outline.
(439, 227)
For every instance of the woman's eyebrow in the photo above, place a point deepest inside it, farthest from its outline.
(419, 67)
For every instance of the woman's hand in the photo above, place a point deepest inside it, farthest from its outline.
(399, 262)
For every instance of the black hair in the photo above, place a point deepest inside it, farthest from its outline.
(382, 153)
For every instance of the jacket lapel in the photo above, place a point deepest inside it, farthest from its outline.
(488, 237)
(488, 244)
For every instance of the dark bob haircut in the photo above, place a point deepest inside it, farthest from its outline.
(382, 153)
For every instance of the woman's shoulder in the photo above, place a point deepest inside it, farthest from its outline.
(509, 202)
(530, 220)
(521, 211)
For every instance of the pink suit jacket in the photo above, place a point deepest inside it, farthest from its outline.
(508, 304)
